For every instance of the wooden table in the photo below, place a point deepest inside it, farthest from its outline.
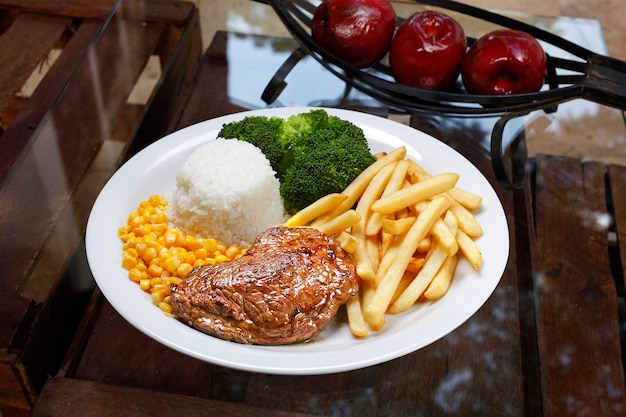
(52, 144)
(546, 343)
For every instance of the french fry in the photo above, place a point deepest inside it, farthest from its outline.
(441, 282)
(417, 192)
(355, 317)
(374, 223)
(445, 233)
(373, 247)
(415, 264)
(421, 281)
(367, 291)
(342, 222)
(399, 226)
(374, 312)
(415, 172)
(467, 221)
(468, 200)
(386, 243)
(469, 249)
(392, 244)
(404, 283)
(374, 190)
(323, 205)
(348, 242)
(425, 245)
(364, 267)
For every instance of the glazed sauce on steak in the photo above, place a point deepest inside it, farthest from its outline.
(285, 289)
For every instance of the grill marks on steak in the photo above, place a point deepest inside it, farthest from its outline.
(285, 289)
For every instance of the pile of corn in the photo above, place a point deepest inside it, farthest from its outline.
(158, 256)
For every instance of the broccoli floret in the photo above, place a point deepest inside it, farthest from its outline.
(265, 133)
(307, 122)
(325, 162)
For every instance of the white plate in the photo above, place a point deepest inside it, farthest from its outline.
(152, 171)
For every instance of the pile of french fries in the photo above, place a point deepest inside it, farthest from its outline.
(405, 229)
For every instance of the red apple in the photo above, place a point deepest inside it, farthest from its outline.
(357, 31)
(427, 51)
(504, 62)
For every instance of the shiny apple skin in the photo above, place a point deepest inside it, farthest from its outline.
(504, 62)
(427, 51)
(358, 32)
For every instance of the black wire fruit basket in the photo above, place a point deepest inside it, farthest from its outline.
(588, 75)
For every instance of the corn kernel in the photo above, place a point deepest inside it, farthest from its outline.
(155, 200)
(135, 274)
(141, 266)
(173, 280)
(201, 253)
(166, 307)
(210, 245)
(155, 270)
(183, 269)
(170, 237)
(149, 253)
(232, 251)
(144, 284)
(171, 263)
(192, 243)
(128, 261)
(160, 287)
(221, 258)
(157, 296)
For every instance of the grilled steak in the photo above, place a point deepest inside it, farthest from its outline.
(285, 289)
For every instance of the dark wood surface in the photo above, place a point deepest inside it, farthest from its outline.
(51, 147)
(546, 343)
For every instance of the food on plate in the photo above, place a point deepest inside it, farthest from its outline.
(427, 50)
(158, 256)
(285, 289)
(321, 153)
(504, 61)
(216, 195)
(410, 230)
(390, 237)
(358, 32)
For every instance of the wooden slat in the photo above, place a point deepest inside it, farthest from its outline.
(67, 143)
(576, 296)
(66, 397)
(17, 313)
(179, 73)
(36, 35)
(617, 181)
(163, 11)
(321, 395)
(117, 353)
(21, 130)
(12, 389)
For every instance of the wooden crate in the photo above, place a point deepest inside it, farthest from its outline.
(59, 143)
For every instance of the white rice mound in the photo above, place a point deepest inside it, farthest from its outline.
(227, 190)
